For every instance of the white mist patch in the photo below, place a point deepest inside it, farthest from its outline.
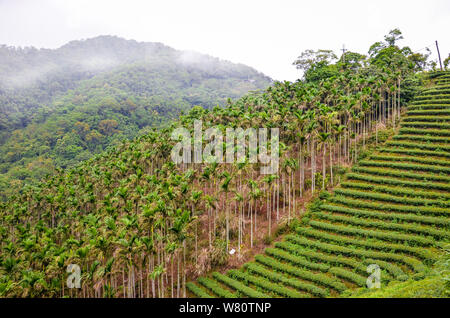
(213, 65)
(94, 63)
(200, 61)
(28, 77)
(191, 58)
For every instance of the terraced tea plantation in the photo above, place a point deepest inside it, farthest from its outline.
(392, 210)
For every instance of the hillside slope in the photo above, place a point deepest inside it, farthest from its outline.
(60, 107)
(31, 78)
(139, 225)
(392, 210)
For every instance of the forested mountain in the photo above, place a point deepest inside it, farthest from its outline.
(58, 107)
(139, 225)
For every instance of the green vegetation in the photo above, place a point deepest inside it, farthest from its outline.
(241, 289)
(140, 226)
(215, 288)
(197, 291)
(75, 110)
(294, 283)
(318, 278)
(435, 284)
(392, 211)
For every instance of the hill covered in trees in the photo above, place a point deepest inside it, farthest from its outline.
(139, 225)
(391, 212)
(59, 107)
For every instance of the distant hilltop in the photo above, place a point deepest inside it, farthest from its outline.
(24, 66)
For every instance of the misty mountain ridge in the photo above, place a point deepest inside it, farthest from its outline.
(25, 66)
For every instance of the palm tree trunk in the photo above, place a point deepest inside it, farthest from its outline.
(251, 227)
(331, 165)
(323, 165)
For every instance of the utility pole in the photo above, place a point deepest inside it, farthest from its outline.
(343, 52)
(439, 54)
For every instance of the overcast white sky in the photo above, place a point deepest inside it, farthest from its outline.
(267, 35)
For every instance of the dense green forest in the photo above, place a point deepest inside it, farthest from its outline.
(59, 107)
(139, 225)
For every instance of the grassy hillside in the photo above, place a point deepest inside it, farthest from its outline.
(434, 283)
(392, 210)
(60, 107)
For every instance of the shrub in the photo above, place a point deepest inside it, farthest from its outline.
(318, 278)
(426, 125)
(385, 236)
(430, 118)
(399, 182)
(396, 191)
(406, 166)
(390, 198)
(276, 277)
(389, 207)
(416, 152)
(265, 284)
(197, 291)
(407, 228)
(215, 287)
(280, 254)
(422, 138)
(411, 158)
(341, 250)
(421, 253)
(402, 174)
(239, 287)
(388, 216)
(428, 132)
(353, 277)
(392, 269)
